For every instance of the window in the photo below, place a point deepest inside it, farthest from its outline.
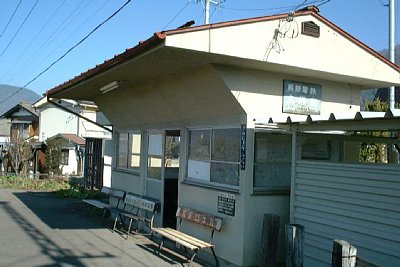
(64, 156)
(272, 161)
(214, 156)
(129, 151)
(155, 154)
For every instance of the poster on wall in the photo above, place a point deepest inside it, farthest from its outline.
(301, 98)
(226, 203)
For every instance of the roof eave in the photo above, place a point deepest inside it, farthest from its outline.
(153, 41)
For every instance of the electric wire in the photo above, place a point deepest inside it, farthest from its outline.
(179, 12)
(12, 16)
(53, 35)
(6, 74)
(58, 45)
(20, 27)
(68, 51)
(291, 7)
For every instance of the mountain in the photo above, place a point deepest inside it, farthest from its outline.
(20, 95)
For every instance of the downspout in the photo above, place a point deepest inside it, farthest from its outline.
(78, 115)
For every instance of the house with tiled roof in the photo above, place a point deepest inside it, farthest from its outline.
(73, 122)
(191, 110)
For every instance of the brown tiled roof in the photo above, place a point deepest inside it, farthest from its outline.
(73, 138)
(159, 37)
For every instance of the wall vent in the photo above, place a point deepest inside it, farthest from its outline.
(310, 28)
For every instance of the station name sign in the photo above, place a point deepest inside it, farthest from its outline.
(301, 98)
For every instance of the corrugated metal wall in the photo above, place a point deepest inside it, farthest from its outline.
(356, 203)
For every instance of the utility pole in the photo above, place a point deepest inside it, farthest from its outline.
(207, 10)
(392, 48)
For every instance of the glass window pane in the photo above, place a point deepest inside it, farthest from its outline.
(225, 173)
(172, 150)
(272, 174)
(154, 168)
(123, 143)
(155, 144)
(199, 170)
(122, 160)
(135, 143)
(135, 162)
(273, 147)
(226, 145)
(272, 157)
(199, 144)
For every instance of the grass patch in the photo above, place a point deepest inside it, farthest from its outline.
(61, 187)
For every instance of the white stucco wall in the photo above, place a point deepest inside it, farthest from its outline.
(54, 121)
(331, 53)
(260, 92)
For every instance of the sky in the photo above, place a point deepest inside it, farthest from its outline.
(36, 35)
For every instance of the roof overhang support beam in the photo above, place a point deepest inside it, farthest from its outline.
(77, 114)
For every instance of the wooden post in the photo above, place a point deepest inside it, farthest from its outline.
(294, 245)
(343, 254)
(269, 240)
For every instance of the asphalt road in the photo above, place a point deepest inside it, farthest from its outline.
(39, 229)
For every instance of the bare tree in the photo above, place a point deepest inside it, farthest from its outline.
(19, 154)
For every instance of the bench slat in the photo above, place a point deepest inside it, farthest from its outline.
(96, 203)
(165, 233)
(190, 239)
(198, 217)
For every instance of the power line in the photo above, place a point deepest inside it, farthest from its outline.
(53, 35)
(68, 51)
(291, 7)
(73, 32)
(20, 27)
(34, 39)
(179, 12)
(12, 16)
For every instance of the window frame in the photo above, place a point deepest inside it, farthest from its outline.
(64, 157)
(126, 166)
(159, 157)
(207, 182)
(284, 190)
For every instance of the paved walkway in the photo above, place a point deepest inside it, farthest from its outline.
(38, 229)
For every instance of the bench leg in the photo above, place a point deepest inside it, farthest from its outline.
(215, 257)
(129, 229)
(115, 223)
(161, 245)
(192, 258)
(104, 215)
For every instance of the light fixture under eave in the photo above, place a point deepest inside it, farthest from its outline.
(109, 87)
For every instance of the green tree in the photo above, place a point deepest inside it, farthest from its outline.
(53, 155)
(374, 152)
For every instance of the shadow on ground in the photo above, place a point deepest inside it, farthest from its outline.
(59, 256)
(60, 213)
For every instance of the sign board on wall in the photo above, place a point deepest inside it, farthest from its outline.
(243, 147)
(226, 203)
(301, 98)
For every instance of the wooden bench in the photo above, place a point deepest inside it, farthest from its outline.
(137, 208)
(111, 199)
(184, 214)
